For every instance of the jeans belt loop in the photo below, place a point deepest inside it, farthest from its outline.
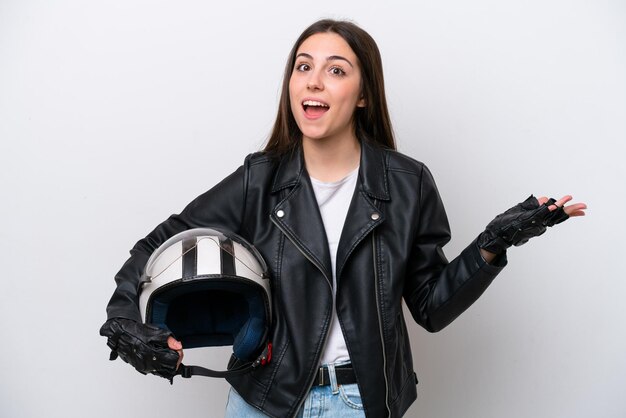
(333, 378)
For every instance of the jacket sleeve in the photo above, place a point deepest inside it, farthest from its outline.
(437, 291)
(222, 206)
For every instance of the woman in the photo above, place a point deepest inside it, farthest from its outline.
(348, 228)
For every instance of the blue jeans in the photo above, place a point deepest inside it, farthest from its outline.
(332, 401)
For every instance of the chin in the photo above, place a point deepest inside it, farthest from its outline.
(313, 134)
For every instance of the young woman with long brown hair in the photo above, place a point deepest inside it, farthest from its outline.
(349, 228)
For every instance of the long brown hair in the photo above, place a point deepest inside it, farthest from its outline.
(371, 122)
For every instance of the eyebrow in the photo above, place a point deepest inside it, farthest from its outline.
(329, 58)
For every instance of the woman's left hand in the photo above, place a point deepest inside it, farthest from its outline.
(575, 209)
(523, 221)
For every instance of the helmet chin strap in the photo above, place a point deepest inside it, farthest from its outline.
(262, 360)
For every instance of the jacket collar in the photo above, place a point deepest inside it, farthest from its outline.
(298, 216)
(372, 170)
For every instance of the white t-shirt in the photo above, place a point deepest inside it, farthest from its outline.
(333, 200)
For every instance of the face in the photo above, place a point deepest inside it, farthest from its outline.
(325, 88)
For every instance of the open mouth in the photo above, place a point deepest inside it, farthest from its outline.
(314, 108)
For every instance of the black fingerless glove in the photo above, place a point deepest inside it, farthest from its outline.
(143, 346)
(518, 224)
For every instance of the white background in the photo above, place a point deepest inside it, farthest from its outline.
(115, 114)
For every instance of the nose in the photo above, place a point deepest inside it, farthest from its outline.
(315, 82)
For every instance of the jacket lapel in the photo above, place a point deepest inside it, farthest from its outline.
(363, 214)
(298, 215)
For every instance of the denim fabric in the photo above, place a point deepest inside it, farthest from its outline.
(322, 403)
(331, 401)
(236, 407)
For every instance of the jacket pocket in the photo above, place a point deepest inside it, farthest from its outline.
(400, 360)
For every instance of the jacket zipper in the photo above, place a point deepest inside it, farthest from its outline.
(310, 384)
(380, 324)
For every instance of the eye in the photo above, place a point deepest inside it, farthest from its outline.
(303, 67)
(338, 71)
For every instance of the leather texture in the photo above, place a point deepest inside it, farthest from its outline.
(517, 225)
(390, 249)
(142, 346)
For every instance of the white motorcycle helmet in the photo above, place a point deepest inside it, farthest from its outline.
(210, 288)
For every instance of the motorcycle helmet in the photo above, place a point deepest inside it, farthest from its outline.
(210, 288)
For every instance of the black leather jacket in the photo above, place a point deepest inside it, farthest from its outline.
(390, 249)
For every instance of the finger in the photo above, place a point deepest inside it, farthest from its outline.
(174, 344)
(542, 200)
(177, 346)
(180, 358)
(576, 209)
(560, 203)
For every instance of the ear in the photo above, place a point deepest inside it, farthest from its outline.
(361, 102)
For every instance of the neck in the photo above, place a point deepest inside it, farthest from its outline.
(331, 160)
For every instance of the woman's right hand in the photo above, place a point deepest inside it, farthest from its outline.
(147, 348)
